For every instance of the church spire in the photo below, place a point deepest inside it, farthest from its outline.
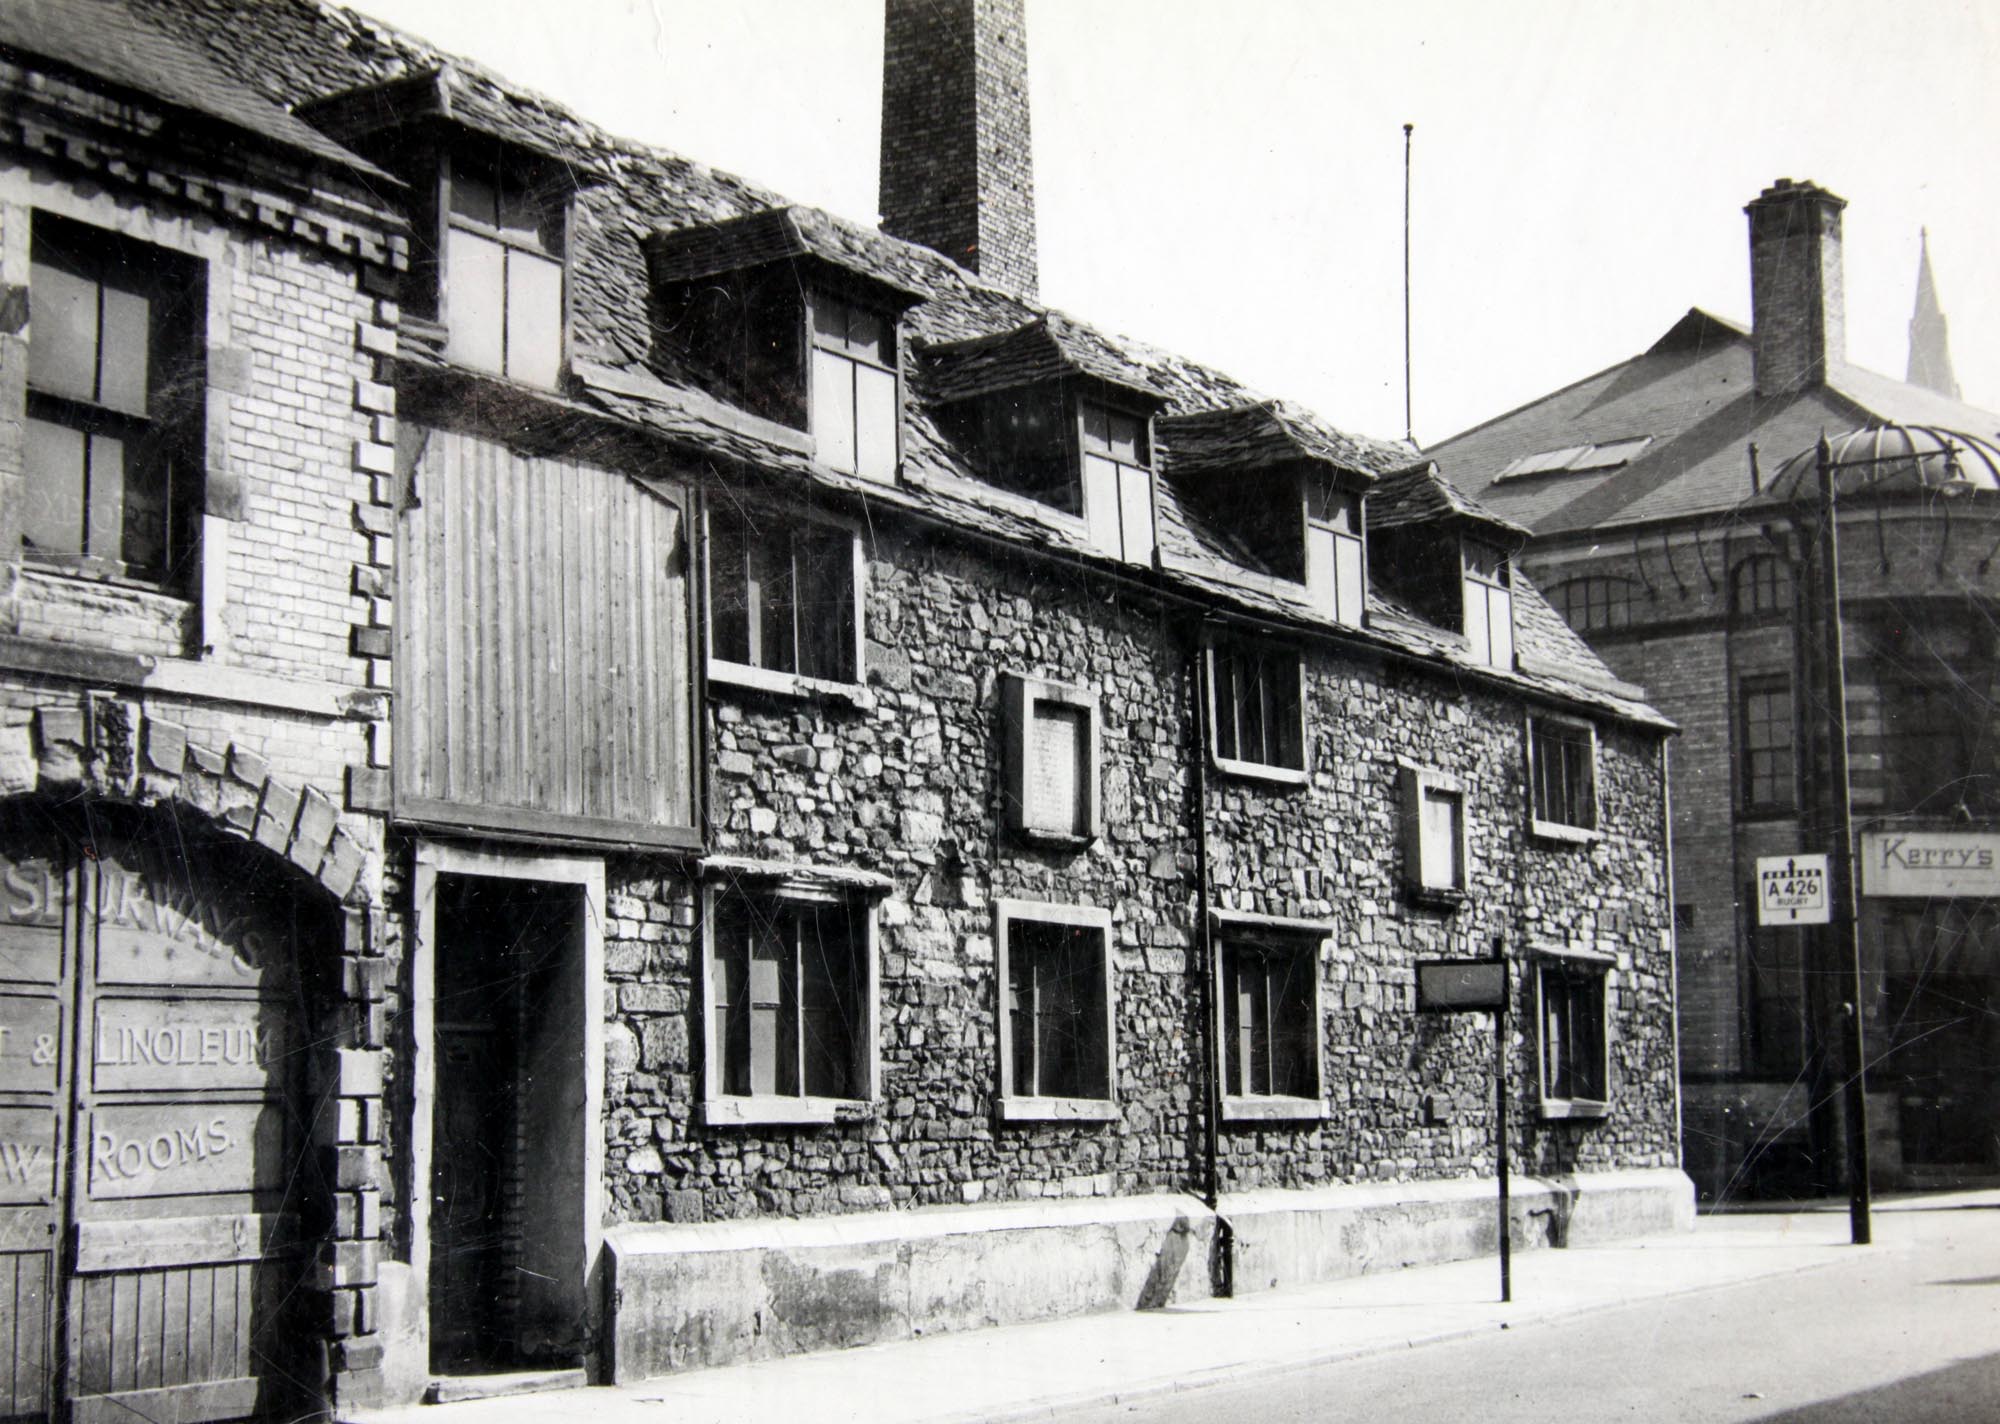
(1930, 347)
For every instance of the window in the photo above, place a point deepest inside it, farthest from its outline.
(1052, 760)
(1333, 553)
(116, 392)
(1118, 483)
(1935, 745)
(1593, 604)
(1777, 1018)
(1766, 762)
(1256, 712)
(1761, 584)
(1562, 777)
(1489, 604)
(854, 411)
(783, 602)
(791, 1007)
(1270, 1016)
(1571, 1008)
(1056, 1011)
(503, 276)
(1434, 835)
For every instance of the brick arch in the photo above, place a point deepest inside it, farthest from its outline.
(108, 746)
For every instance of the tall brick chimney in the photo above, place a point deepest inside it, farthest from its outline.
(957, 170)
(1798, 309)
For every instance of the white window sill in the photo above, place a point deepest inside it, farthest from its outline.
(1562, 831)
(1272, 1109)
(1017, 1109)
(776, 1111)
(1574, 1108)
(1258, 771)
(788, 684)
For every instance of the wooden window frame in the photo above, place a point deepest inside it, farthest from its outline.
(755, 676)
(1020, 696)
(1258, 770)
(1270, 935)
(1415, 783)
(1595, 974)
(555, 215)
(817, 299)
(1016, 1106)
(1324, 585)
(1109, 530)
(1586, 593)
(1492, 590)
(725, 1109)
(1539, 825)
(1766, 685)
(1748, 588)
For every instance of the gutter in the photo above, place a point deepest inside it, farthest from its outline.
(1223, 1271)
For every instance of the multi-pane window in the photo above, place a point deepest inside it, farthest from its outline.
(503, 277)
(1767, 757)
(1052, 751)
(1333, 552)
(1574, 1066)
(1562, 769)
(1434, 833)
(1258, 714)
(1595, 603)
(1489, 604)
(782, 596)
(788, 986)
(853, 412)
(1118, 483)
(1270, 1032)
(115, 398)
(1936, 749)
(1777, 1018)
(1056, 1011)
(1761, 584)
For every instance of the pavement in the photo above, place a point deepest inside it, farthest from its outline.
(1043, 1370)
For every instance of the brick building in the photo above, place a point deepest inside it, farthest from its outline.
(1673, 499)
(894, 810)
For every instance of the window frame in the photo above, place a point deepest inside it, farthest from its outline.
(1765, 685)
(1238, 766)
(1015, 1106)
(1107, 529)
(1323, 581)
(731, 672)
(1492, 590)
(1596, 974)
(723, 1109)
(1539, 825)
(1574, 594)
(818, 298)
(1415, 783)
(1747, 588)
(1020, 694)
(1269, 935)
(555, 214)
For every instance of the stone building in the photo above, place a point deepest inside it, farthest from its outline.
(622, 775)
(1673, 500)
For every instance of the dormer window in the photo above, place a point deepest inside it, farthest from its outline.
(853, 409)
(501, 286)
(1334, 574)
(1489, 603)
(1117, 482)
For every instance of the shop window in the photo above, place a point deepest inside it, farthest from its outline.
(503, 275)
(1767, 758)
(853, 413)
(1056, 1013)
(1571, 1010)
(1270, 1023)
(1117, 482)
(1052, 760)
(790, 1007)
(1334, 568)
(1777, 1018)
(783, 601)
(1434, 835)
(1257, 715)
(1595, 603)
(1487, 582)
(111, 483)
(1762, 584)
(1562, 777)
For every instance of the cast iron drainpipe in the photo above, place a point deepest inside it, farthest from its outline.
(1224, 1282)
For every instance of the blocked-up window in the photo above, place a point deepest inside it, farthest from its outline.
(1118, 483)
(788, 986)
(1258, 713)
(854, 411)
(1334, 568)
(116, 392)
(1575, 1067)
(1434, 833)
(503, 276)
(1489, 604)
(782, 596)
(1056, 1012)
(1562, 772)
(1767, 757)
(1052, 751)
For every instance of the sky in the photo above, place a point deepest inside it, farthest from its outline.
(1224, 178)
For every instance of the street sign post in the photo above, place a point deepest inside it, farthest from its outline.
(1792, 890)
(1463, 986)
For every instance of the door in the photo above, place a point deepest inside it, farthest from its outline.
(158, 1254)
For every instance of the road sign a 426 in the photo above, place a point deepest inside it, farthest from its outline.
(1792, 890)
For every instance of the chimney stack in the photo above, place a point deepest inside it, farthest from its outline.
(1798, 313)
(957, 168)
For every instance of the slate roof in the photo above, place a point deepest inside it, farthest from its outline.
(1693, 391)
(757, 239)
(1269, 434)
(1051, 347)
(1420, 495)
(105, 39)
